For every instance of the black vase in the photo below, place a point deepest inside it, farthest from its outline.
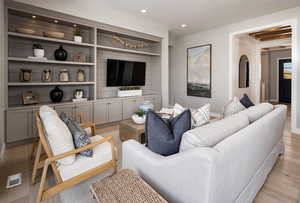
(56, 95)
(60, 54)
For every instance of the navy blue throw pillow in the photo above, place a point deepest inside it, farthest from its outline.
(164, 136)
(245, 100)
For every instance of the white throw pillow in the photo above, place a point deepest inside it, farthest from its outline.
(178, 109)
(200, 116)
(233, 107)
(58, 135)
(256, 112)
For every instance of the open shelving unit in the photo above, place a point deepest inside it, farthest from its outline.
(29, 60)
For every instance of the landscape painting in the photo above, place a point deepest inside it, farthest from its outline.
(199, 71)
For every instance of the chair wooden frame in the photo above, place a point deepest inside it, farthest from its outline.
(50, 160)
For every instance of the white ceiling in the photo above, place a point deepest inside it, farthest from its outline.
(202, 14)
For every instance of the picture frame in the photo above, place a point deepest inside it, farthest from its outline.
(199, 59)
(29, 98)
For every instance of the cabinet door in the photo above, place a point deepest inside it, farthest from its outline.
(129, 107)
(115, 111)
(67, 109)
(100, 112)
(18, 125)
(86, 111)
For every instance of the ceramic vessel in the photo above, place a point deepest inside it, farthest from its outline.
(138, 120)
(80, 76)
(146, 106)
(40, 53)
(78, 39)
(64, 75)
(60, 54)
(47, 75)
(56, 95)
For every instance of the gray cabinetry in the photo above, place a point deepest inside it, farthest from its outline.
(107, 111)
(19, 125)
(68, 109)
(115, 111)
(86, 111)
(100, 112)
(130, 106)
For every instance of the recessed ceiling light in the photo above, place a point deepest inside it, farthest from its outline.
(144, 11)
(184, 25)
(33, 17)
(56, 21)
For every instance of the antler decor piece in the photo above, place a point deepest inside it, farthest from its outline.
(128, 44)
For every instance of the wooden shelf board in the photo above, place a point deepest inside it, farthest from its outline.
(15, 34)
(48, 61)
(128, 50)
(48, 83)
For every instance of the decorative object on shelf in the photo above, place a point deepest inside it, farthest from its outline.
(56, 95)
(78, 93)
(58, 35)
(79, 57)
(199, 71)
(77, 35)
(130, 91)
(25, 75)
(29, 98)
(38, 51)
(47, 75)
(26, 31)
(139, 117)
(128, 44)
(64, 75)
(146, 106)
(80, 76)
(60, 54)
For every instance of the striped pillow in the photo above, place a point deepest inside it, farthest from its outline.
(201, 116)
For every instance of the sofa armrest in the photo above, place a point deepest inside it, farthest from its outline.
(174, 175)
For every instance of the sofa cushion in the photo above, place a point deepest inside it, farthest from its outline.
(102, 154)
(246, 101)
(80, 136)
(256, 112)
(164, 136)
(211, 134)
(58, 135)
(233, 107)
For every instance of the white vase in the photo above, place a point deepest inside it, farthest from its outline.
(78, 39)
(40, 53)
(138, 120)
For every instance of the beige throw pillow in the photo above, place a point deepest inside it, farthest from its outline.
(233, 107)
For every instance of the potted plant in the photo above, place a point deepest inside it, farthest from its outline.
(77, 35)
(38, 51)
(139, 117)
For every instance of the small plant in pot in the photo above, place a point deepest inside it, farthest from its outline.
(77, 35)
(139, 117)
(38, 51)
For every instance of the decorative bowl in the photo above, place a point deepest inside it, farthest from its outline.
(25, 31)
(59, 35)
(138, 120)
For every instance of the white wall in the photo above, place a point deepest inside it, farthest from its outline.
(222, 72)
(2, 65)
(104, 13)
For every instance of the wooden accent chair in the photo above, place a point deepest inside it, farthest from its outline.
(50, 160)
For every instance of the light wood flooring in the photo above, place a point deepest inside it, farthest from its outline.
(282, 186)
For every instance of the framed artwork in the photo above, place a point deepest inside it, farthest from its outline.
(199, 71)
(29, 98)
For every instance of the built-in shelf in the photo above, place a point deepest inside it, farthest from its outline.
(12, 84)
(29, 60)
(15, 34)
(127, 50)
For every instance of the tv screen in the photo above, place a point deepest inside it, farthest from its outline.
(125, 73)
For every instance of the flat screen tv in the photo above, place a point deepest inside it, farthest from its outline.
(125, 73)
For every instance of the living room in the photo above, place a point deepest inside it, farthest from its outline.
(107, 101)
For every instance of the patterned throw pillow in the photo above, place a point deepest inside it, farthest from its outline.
(164, 136)
(200, 116)
(233, 107)
(80, 136)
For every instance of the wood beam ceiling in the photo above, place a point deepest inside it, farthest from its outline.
(275, 33)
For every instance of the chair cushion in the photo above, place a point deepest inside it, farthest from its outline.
(211, 134)
(233, 107)
(164, 136)
(80, 136)
(256, 112)
(102, 154)
(246, 101)
(58, 135)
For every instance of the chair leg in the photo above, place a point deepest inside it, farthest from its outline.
(43, 180)
(34, 149)
(36, 162)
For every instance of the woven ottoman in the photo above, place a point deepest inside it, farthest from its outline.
(124, 187)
